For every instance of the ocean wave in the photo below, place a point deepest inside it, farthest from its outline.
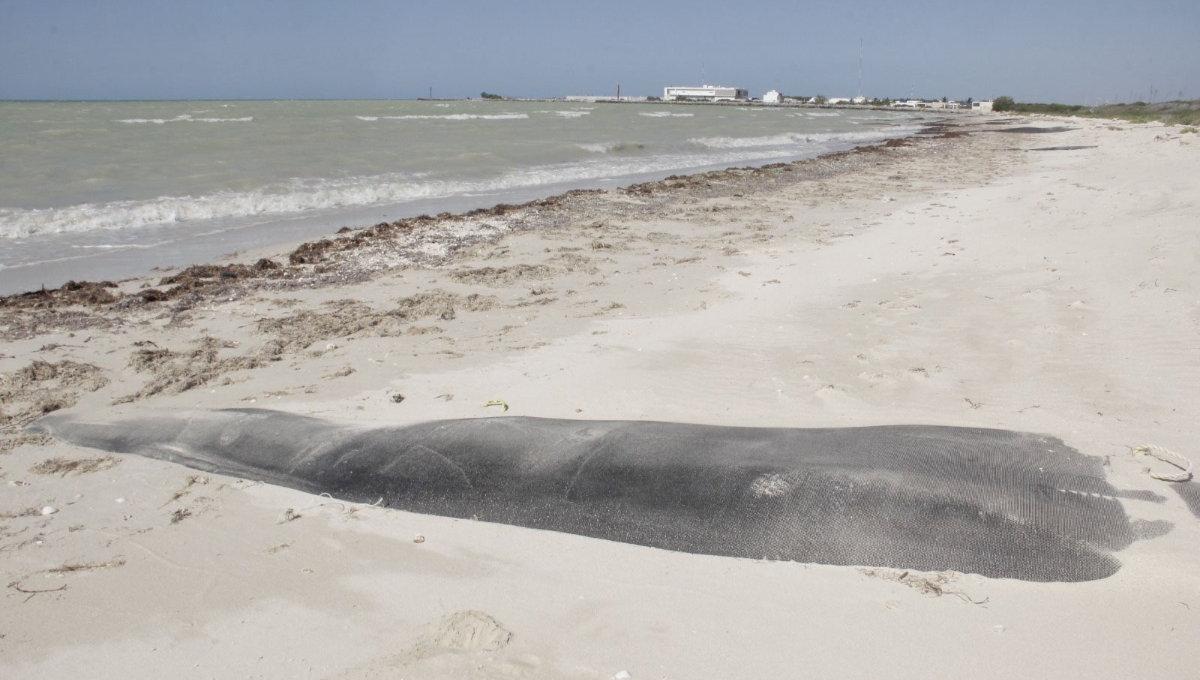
(367, 118)
(575, 113)
(306, 195)
(612, 147)
(665, 114)
(185, 118)
(822, 114)
(462, 116)
(791, 139)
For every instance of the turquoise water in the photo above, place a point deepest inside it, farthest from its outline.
(81, 182)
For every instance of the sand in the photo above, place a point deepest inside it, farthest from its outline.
(988, 279)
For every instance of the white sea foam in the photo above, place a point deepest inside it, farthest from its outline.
(463, 116)
(478, 170)
(185, 118)
(611, 147)
(576, 113)
(790, 139)
(301, 196)
(822, 114)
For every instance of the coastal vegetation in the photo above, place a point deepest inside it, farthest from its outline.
(1172, 112)
(489, 95)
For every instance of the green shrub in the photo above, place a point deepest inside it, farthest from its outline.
(489, 95)
(1170, 113)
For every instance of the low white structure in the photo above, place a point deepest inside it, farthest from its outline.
(981, 107)
(922, 104)
(838, 100)
(860, 99)
(772, 97)
(713, 93)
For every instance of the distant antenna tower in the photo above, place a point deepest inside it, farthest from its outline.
(860, 45)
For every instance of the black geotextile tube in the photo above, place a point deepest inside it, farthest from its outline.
(992, 502)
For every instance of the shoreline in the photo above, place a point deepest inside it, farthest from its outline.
(931, 128)
(1032, 282)
(101, 261)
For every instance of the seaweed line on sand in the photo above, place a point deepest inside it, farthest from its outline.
(353, 256)
(37, 389)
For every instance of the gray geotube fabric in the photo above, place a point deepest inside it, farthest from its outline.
(992, 502)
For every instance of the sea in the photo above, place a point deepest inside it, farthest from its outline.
(111, 190)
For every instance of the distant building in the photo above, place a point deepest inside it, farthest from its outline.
(859, 99)
(713, 93)
(981, 107)
(935, 105)
(772, 97)
(838, 100)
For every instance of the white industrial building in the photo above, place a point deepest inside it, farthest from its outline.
(772, 97)
(713, 93)
(981, 107)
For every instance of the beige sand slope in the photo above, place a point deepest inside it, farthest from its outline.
(957, 281)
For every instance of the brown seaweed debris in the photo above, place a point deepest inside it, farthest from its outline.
(727, 176)
(499, 276)
(202, 279)
(319, 252)
(42, 387)
(19, 324)
(74, 466)
(72, 293)
(174, 372)
(349, 317)
(310, 253)
(204, 276)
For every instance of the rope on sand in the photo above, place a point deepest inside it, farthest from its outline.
(1167, 456)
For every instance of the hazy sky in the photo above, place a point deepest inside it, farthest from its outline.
(1070, 51)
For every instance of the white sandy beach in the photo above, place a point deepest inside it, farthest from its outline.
(964, 281)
